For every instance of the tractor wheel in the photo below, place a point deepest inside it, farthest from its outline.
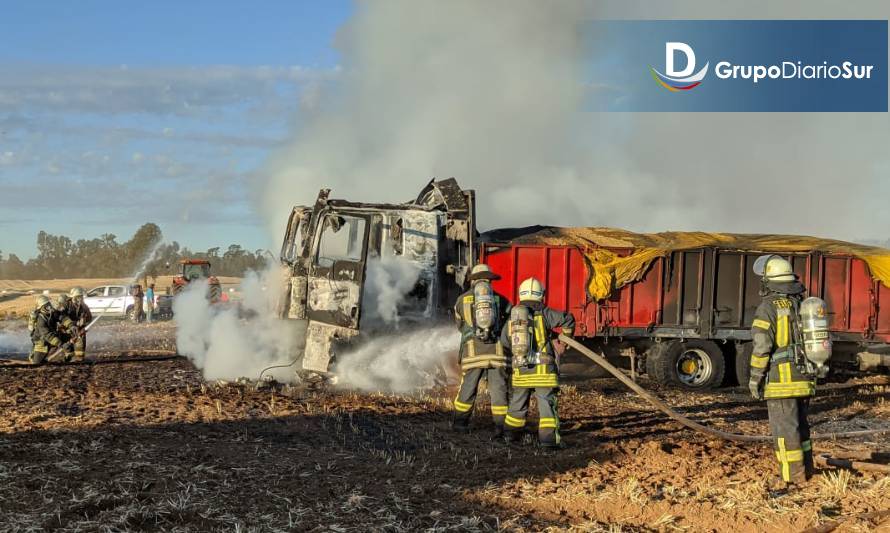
(692, 364)
(215, 291)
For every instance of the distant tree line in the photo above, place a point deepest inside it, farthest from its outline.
(145, 255)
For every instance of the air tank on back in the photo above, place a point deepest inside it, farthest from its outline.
(816, 339)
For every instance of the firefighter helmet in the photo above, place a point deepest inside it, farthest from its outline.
(42, 301)
(61, 301)
(531, 290)
(482, 272)
(774, 268)
(77, 291)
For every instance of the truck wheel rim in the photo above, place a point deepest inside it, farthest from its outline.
(694, 367)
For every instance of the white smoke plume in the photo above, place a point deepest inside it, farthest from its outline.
(15, 341)
(401, 362)
(238, 341)
(491, 92)
(388, 280)
(389, 358)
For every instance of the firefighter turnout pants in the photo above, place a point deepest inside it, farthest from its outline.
(548, 417)
(497, 378)
(791, 433)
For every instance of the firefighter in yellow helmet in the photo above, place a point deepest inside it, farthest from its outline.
(481, 313)
(780, 373)
(529, 336)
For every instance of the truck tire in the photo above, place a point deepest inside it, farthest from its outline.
(743, 363)
(131, 313)
(693, 364)
(656, 368)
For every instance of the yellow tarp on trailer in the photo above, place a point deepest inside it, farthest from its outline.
(612, 270)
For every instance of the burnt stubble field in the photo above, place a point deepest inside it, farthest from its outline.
(152, 446)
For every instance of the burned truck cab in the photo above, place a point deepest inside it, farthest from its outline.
(329, 247)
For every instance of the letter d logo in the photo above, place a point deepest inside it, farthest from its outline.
(670, 50)
(675, 80)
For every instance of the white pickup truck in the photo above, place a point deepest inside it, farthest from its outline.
(110, 300)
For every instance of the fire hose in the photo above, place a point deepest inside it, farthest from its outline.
(735, 437)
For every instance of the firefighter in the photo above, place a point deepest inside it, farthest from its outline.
(779, 371)
(65, 328)
(80, 314)
(529, 337)
(44, 336)
(480, 313)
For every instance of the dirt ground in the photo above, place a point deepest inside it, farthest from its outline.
(151, 446)
(17, 296)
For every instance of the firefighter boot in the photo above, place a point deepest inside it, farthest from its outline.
(460, 424)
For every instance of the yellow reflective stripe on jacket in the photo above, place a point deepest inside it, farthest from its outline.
(782, 331)
(548, 423)
(514, 422)
(785, 372)
(796, 389)
(759, 361)
(540, 333)
(535, 380)
(468, 309)
(498, 410)
(486, 360)
(762, 324)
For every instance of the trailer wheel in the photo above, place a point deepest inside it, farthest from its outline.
(743, 363)
(693, 364)
(656, 368)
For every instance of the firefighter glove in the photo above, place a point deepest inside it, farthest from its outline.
(755, 385)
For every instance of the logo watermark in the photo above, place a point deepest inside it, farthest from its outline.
(739, 65)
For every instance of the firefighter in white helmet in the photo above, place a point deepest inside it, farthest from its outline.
(779, 370)
(481, 313)
(529, 337)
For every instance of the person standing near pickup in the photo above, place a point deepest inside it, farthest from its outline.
(138, 295)
(149, 302)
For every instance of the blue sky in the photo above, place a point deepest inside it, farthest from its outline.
(113, 114)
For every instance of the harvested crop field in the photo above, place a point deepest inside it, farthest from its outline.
(151, 446)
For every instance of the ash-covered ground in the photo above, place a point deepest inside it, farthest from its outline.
(152, 446)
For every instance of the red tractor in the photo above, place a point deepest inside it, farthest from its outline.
(193, 270)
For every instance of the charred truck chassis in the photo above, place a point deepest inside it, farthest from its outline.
(327, 249)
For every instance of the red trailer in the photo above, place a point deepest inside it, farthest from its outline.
(686, 319)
